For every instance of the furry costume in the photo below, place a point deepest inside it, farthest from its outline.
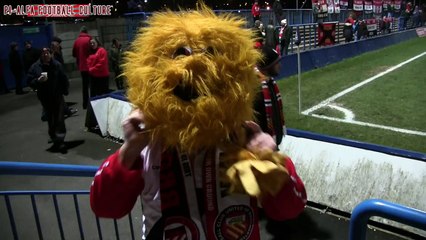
(192, 75)
(218, 73)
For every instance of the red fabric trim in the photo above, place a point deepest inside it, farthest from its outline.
(115, 189)
(291, 201)
(268, 105)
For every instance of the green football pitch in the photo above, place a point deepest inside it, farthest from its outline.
(378, 97)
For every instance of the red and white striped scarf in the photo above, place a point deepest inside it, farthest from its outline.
(269, 109)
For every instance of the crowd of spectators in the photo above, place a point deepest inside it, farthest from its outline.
(42, 71)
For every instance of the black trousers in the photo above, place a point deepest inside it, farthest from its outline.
(86, 83)
(55, 119)
(18, 82)
(98, 86)
(118, 79)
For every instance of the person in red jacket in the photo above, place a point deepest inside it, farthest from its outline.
(255, 11)
(80, 51)
(97, 62)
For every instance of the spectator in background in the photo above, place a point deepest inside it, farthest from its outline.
(284, 35)
(30, 55)
(99, 79)
(361, 29)
(268, 102)
(56, 50)
(417, 17)
(348, 29)
(115, 54)
(405, 15)
(80, 51)
(278, 11)
(270, 36)
(385, 25)
(47, 76)
(16, 67)
(258, 34)
(3, 87)
(255, 11)
(98, 68)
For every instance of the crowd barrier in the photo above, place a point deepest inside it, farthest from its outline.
(55, 214)
(358, 222)
(380, 208)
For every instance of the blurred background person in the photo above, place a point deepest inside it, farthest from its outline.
(30, 55)
(56, 50)
(97, 63)
(3, 87)
(348, 30)
(258, 34)
(80, 51)
(268, 105)
(270, 35)
(278, 11)
(284, 35)
(417, 17)
(255, 11)
(16, 67)
(47, 76)
(115, 54)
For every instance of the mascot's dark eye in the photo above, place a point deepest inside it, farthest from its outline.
(182, 51)
(211, 50)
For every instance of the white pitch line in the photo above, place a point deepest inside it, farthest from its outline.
(348, 90)
(401, 130)
(349, 115)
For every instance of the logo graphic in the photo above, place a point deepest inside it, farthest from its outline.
(235, 222)
(58, 10)
(180, 228)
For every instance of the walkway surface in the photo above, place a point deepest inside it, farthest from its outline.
(23, 138)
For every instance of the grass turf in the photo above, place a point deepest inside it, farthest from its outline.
(323, 83)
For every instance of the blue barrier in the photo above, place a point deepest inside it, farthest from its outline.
(40, 35)
(385, 209)
(46, 169)
(63, 170)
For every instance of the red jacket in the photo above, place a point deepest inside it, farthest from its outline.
(80, 51)
(98, 63)
(255, 10)
(116, 188)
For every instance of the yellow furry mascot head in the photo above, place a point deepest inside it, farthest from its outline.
(191, 74)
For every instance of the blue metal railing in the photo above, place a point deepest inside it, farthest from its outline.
(62, 170)
(46, 169)
(358, 223)
(385, 209)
